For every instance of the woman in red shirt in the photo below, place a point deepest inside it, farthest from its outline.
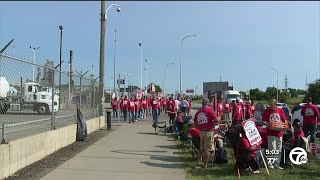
(247, 156)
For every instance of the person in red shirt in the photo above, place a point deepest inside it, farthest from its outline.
(155, 110)
(205, 120)
(189, 107)
(247, 155)
(171, 109)
(132, 109)
(115, 107)
(274, 114)
(179, 122)
(125, 108)
(310, 114)
(248, 111)
(219, 108)
(144, 107)
(227, 112)
(137, 109)
(297, 132)
(121, 106)
(194, 135)
(236, 114)
(252, 106)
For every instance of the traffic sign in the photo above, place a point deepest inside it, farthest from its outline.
(189, 91)
(121, 81)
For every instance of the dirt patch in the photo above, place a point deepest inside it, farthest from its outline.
(41, 168)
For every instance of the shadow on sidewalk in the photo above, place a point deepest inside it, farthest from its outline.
(166, 158)
(167, 146)
(137, 152)
(167, 166)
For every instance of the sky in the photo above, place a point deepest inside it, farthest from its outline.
(238, 41)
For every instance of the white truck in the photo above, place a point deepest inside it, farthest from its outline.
(32, 95)
(230, 95)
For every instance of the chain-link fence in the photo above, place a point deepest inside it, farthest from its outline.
(38, 97)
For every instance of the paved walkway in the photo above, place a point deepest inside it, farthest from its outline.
(132, 151)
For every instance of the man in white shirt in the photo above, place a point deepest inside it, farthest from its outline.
(177, 104)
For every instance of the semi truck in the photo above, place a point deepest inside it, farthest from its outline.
(230, 95)
(30, 96)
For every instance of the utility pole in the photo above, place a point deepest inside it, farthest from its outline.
(119, 83)
(114, 60)
(101, 66)
(286, 83)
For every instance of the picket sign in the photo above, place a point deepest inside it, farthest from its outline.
(315, 150)
(252, 132)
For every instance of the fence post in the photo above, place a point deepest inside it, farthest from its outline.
(52, 104)
(2, 133)
(80, 90)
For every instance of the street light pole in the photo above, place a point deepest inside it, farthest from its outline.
(140, 65)
(61, 28)
(181, 61)
(34, 60)
(277, 84)
(165, 82)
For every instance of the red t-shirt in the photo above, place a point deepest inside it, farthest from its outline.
(219, 109)
(237, 113)
(137, 105)
(227, 107)
(114, 104)
(245, 145)
(179, 119)
(144, 103)
(204, 118)
(274, 115)
(155, 104)
(121, 103)
(125, 104)
(194, 132)
(132, 106)
(189, 107)
(309, 113)
(295, 137)
(248, 111)
(263, 134)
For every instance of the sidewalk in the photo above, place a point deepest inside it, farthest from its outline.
(132, 151)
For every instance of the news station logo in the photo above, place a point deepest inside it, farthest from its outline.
(297, 156)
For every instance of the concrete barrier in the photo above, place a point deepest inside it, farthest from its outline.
(23, 152)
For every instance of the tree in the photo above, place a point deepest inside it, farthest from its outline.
(271, 93)
(158, 88)
(256, 94)
(283, 97)
(314, 91)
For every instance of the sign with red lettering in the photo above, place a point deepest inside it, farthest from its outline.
(252, 132)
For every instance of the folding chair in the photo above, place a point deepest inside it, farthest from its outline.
(161, 127)
(304, 144)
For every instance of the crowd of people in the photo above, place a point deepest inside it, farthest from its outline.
(134, 109)
(248, 157)
(232, 115)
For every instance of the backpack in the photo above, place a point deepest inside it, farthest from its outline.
(221, 156)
